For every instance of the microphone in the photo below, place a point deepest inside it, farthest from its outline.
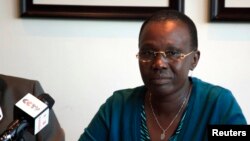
(29, 113)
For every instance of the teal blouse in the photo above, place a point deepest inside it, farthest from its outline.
(119, 118)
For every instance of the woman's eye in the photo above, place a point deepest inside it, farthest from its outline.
(172, 53)
(147, 52)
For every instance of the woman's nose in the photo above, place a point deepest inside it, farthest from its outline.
(160, 62)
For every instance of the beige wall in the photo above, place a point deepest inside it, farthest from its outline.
(81, 62)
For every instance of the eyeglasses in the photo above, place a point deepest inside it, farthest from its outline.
(149, 55)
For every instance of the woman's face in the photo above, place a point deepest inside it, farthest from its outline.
(161, 75)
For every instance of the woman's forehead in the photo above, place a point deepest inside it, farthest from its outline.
(167, 34)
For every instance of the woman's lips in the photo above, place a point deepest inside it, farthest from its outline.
(160, 80)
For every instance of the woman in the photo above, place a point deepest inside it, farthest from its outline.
(171, 105)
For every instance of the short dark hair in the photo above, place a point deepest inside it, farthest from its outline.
(165, 15)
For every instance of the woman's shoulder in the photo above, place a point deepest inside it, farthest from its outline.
(127, 95)
(209, 87)
(207, 90)
(129, 92)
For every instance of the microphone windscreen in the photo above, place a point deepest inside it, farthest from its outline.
(47, 99)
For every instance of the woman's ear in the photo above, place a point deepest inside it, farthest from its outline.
(195, 60)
